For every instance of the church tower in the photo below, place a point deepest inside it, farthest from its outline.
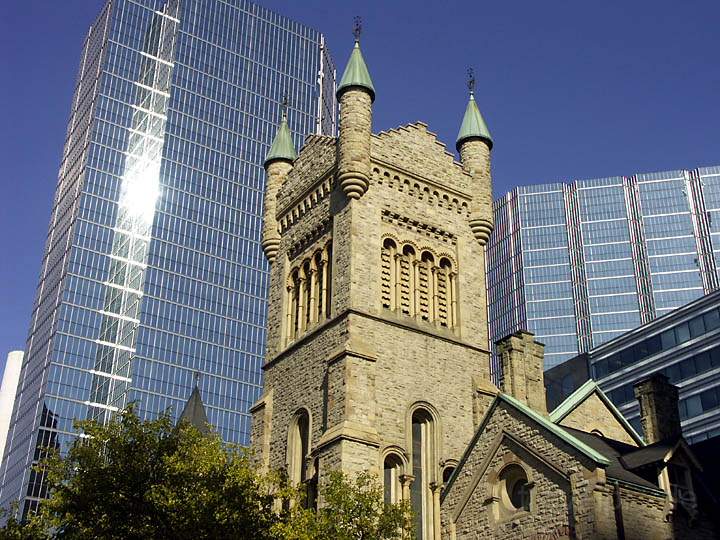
(377, 349)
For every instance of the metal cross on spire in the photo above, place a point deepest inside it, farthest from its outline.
(284, 105)
(471, 80)
(197, 379)
(357, 28)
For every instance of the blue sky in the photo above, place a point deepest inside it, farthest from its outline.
(569, 89)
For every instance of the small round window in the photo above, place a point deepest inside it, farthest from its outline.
(515, 487)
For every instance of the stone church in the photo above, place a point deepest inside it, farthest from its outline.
(378, 355)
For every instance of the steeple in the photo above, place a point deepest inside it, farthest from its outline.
(474, 144)
(356, 72)
(473, 124)
(278, 164)
(282, 147)
(194, 412)
(356, 94)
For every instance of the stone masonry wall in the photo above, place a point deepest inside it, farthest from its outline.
(418, 151)
(592, 414)
(643, 516)
(586, 485)
(548, 518)
(360, 373)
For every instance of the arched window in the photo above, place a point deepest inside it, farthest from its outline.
(293, 293)
(406, 296)
(447, 473)
(306, 278)
(308, 290)
(426, 286)
(298, 447)
(388, 274)
(423, 287)
(392, 470)
(445, 300)
(327, 276)
(320, 286)
(421, 496)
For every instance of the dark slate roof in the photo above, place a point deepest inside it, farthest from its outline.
(614, 451)
(194, 412)
(651, 454)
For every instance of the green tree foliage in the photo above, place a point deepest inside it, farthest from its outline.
(134, 479)
(33, 529)
(351, 509)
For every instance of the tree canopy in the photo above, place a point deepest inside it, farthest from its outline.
(133, 479)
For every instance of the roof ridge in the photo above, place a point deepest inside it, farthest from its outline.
(589, 387)
(556, 429)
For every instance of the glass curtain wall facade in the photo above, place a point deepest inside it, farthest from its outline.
(684, 345)
(153, 274)
(580, 263)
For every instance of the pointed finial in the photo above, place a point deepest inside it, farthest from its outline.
(357, 28)
(284, 105)
(197, 379)
(471, 80)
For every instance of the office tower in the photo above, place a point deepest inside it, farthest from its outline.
(683, 345)
(580, 263)
(153, 274)
(11, 375)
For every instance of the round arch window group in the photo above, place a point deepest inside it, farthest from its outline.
(308, 292)
(419, 283)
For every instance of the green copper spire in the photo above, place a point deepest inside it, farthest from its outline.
(282, 147)
(473, 125)
(356, 72)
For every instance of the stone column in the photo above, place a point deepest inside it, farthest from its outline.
(435, 488)
(415, 279)
(353, 154)
(276, 173)
(452, 304)
(406, 481)
(289, 315)
(475, 158)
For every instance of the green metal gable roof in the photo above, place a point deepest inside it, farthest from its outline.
(581, 394)
(597, 457)
(555, 429)
(282, 147)
(473, 125)
(356, 74)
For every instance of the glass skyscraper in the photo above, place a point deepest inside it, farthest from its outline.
(580, 263)
(153, 275)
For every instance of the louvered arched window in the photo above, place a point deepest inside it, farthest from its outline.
(308, 292)
(421, 286)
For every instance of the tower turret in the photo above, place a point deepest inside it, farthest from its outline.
(356, 94)
(474, 144)
(278, 164)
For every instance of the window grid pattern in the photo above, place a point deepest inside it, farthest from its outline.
(621, 251)
(127, 313)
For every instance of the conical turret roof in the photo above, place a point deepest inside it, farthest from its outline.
(194, 412)
(282, 147)
(473, 125)
(356, 73)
